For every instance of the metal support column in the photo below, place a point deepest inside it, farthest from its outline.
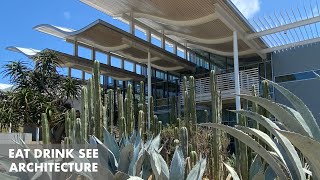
(236, 71)
(149, 88)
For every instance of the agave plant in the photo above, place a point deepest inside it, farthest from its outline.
(293, 128)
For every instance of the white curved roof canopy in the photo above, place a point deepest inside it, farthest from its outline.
(204, 23)
(105, 37)
(83, 64)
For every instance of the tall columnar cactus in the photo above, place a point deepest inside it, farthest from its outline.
(206, 116)
(111, 109)
(184, 141)
(186, 109)
(121, 118)
(129, 110)
(97, 99)
(173, 111)
(192, 102)
(45, 129)
(141, 122)
(84, 113)
(153, 120)
(255, 107)
(193, 157)
(242, 161)
(141, 100)
(216, 111)
(72, 123)
(90, 107)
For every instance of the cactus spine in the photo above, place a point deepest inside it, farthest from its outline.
(97, 100)
(215, 110)
(111, 109)
(45, 129)
(184, 141)
(72, 125)
(192, 102)
(84, 113)
(153, 120)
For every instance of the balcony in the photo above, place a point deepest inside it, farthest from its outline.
(226, 85)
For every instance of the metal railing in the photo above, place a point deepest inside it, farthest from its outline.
(225, 84)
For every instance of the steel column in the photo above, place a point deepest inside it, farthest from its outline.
(236, 71)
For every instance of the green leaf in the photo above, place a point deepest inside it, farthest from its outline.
(249, 141)
(308, 147)
(197, 171)
(270, 174)
(125, 158)
(281, 114)
(301, 108)
(159, 166)
(295, 164)
(232, 172)
(155, 143)
(255, 166)
(264, 137)
(106, 157)
(111, 143)
(177, 165)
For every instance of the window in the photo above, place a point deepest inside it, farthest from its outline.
(296, 77)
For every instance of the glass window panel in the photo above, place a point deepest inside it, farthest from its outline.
(155, 40)
(101, 57)
(116, 62)
(128, 66)
(140, 33)
(84, 52)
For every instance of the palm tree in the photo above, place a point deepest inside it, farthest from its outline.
(37, 90)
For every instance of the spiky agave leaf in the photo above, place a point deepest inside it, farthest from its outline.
(308, 147)
(301, 108)
(159, 166)
(197, 171)
(294, 164)
(249, 141)
(125, 158)
(106, 157)
(281, 114)
(263, 137)
(177, 165)
(232, 172)
(111, 143)
(255, 167)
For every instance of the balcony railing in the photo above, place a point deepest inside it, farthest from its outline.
(226, 85)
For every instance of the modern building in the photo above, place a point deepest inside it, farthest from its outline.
(162, 41)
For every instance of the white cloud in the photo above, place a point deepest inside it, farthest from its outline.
(4, 86)
(67, 15)
(247, 7)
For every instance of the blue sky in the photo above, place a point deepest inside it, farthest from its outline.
(18, 17)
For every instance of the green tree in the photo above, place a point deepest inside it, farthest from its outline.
(37, 90)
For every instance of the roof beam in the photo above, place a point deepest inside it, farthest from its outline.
(199, 40)
(234, 26)
(193, 22)
(222, 53)
(301, 43)
(284, 27)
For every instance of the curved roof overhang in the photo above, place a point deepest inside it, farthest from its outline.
(105, 37)
(207, 24)
(67, 60)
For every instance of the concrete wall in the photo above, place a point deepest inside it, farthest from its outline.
(296, 60)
